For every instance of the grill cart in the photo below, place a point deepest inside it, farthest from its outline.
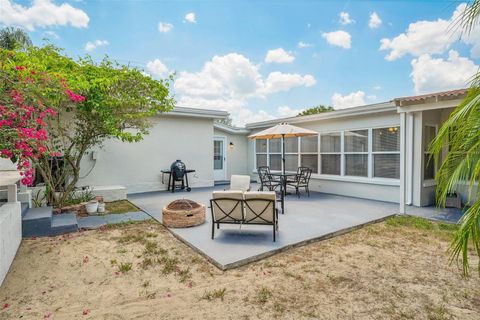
(178, 173)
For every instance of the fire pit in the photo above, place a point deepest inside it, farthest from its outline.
(183, 213)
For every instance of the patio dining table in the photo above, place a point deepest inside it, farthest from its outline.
(283, 177)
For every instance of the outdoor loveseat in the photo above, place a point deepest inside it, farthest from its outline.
(244, 208)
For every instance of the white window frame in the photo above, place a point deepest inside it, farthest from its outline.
(317, 153)
(340, 153)
(370, 179)
(369, 132)
(290, 153)
(263, 153)
(383, 152)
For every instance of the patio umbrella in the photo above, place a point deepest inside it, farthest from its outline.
(283, 130)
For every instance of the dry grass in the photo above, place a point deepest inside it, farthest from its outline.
(397, 269)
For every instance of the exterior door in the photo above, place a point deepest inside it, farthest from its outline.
(219, 158)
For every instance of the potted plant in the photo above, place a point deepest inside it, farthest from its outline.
(91, 207)
(453, 200)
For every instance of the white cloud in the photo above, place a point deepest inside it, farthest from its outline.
(338, 38)
(347, 101)
(228, 82)
(165, 27)
(42, 13)
(374, 21)
(345, 18)
(51, 35)
(279, 56)
(157, 69)
(286, 112)
(431, 37)
(430, 74)
(302, 45)
(278, 81)
(92, 45)
(190, 17)
(377, 88)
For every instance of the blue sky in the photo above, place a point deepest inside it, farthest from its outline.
(220, 51)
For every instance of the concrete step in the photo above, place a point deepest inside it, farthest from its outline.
(24, 208)
(64, 223)
(37, 222)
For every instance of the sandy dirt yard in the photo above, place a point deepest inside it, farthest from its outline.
(397, 269)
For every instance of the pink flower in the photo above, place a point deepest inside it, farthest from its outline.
(74, 97)
(85, 312)
(19, 67)
(5, 306)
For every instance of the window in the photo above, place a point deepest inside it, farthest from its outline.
(275, 154)
(356, 153)
(330, 150)
(291, 154)
(269, 153)
(386, 152)
(429, 134)
(309, 153)
(261, 152)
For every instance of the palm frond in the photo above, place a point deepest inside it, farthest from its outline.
(460, 169)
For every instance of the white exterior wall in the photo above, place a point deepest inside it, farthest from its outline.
(10, 235)
(137, 165)
(237, 154)
(368, 188)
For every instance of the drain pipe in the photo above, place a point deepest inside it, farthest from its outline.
(411, 131)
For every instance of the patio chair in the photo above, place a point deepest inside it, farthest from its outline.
(302, 181)
(260, 209)
(240, 182)
(226, 207)
(266, 179)
(295, 179)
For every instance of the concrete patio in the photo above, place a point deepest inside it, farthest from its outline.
(307, 219)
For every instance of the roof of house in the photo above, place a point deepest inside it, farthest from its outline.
(230, 129)
(349, 112)
(431, 97)
(197, 113)
(368, 109)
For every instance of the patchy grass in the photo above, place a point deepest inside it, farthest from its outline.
(263, 294)
(120, 206)
(438, 229)
(396, 269)
(214, 294)
(169, 264)
(125, 267)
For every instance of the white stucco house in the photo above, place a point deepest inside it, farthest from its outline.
(375, 151)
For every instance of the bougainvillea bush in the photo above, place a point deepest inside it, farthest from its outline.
(79, 104)
(25, 114)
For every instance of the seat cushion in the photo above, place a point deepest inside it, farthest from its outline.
(240, 182)
(260, 206)
(227, 206)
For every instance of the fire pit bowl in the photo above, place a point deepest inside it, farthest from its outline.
(183, 213)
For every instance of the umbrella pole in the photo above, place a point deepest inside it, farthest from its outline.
(283, 153)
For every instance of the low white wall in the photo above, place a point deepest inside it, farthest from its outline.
(10, 235)
(379, 192)
(137, 166)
